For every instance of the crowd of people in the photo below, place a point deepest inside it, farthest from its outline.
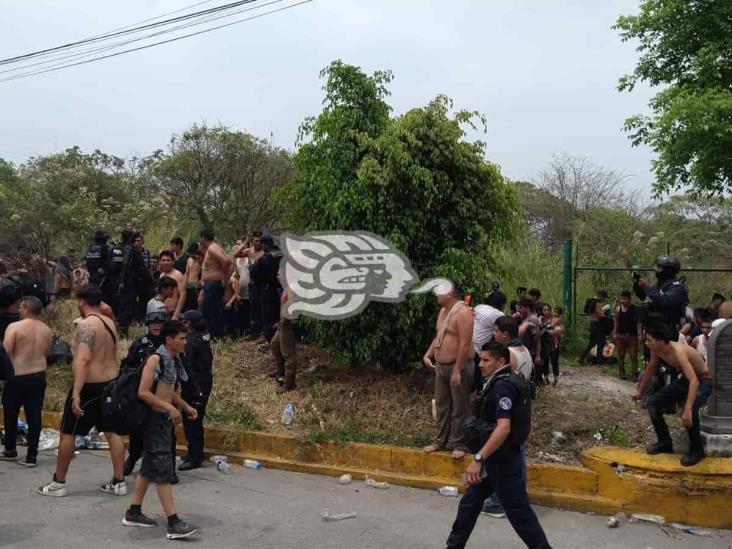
(489, 361)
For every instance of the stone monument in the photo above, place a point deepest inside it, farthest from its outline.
(716, 421)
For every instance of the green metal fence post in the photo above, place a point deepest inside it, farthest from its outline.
(567, 286)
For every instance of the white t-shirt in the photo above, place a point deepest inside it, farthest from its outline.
(524, 362)
(484, 324)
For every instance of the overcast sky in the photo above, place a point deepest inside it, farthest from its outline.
(543, 72)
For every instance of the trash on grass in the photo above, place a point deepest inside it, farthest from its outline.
(288, 414)
(558, 438)
(598, 436)
(327, 517)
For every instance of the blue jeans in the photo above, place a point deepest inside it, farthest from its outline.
(505, 478)
(213, 308)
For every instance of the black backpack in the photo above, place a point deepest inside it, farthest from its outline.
(121, 407)
(60, 352)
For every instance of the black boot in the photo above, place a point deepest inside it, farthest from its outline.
(692, 458)
(661, 447)
(189, 465)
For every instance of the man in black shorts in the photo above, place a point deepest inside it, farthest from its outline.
(157, 390)
(95, 366)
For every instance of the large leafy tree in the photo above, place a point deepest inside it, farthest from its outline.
(685, 47)
(412, 179)
(219, 177)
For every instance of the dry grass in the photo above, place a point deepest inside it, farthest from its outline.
(336, 403)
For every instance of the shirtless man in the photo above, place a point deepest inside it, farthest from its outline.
(193, 277)
(691, 387)
(27, 343)
(158, 466)
(95, 365)
(452, 352)
(215, 273)
(175, 303)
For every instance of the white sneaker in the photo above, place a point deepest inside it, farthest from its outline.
(119, 489)
(53, 489)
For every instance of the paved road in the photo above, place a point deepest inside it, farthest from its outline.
(277, 509)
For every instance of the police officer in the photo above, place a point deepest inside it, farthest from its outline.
(125, 268)
(10, 295)
(503, 420)
(97, 257)
(197, 388)
(666, 300)
(137, 354)
(268, 289)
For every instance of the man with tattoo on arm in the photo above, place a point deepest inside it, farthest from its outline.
(94, 367)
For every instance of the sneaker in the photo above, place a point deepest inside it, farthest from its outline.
(53, 489)
(9, 456)
(28, 462)
(189, 466)
(494, 510)
(660, 448)
(138, 519)
(181, 529)
(119, 489)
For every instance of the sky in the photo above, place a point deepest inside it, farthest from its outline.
(543, 72)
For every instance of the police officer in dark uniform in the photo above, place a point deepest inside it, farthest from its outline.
(197, 389)
(144, 279)
(97, 257)
(665, 303)
(10, 295)
(268, 289)
(495, 435)
(126, 266)
(666, 300)
(139, 351)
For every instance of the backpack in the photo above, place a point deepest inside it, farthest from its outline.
(118, 259)
(29, 284)
(122, 409)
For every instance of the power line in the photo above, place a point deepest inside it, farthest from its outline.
(124, 31)
(33, 73)
(90, 52)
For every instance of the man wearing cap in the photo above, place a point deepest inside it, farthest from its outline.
(139, 351)
(264, 274)
(197, 388)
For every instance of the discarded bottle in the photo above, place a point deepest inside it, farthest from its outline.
(345, 479)
(450, 491)
(288, 414)
(327, 517)
(375, 484)
(252, 464)
(617, 520)
(222, 463)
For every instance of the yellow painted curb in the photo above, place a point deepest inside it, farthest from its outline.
(612, 479)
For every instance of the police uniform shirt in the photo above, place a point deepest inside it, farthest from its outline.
(502, 398)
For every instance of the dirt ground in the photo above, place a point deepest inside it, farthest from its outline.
(589, 407)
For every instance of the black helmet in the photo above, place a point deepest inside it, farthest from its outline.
(669, 263)
(100, 236)
(9, 292)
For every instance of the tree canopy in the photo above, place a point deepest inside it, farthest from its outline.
(685, 47)
(412, 179)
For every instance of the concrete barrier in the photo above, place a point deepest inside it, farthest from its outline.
(610, 480)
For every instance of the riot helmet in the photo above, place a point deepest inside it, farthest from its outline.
(668, 265)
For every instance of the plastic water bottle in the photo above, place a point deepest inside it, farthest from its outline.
(252, 464)
(451, 491)
(222, 463)
(288, 414)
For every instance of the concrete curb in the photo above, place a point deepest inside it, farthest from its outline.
(610, 480)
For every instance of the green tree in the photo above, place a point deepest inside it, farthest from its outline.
(686, 47)
(412, 179)
(219, 177)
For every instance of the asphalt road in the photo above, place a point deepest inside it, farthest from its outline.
(277, 509)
